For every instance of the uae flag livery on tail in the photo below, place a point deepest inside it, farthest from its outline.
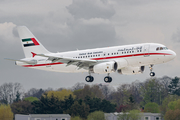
(29, 42)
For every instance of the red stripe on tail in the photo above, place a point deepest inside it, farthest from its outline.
(34, 41)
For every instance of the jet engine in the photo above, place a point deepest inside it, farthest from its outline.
(106, 67)
(121, 63)
(131, 70)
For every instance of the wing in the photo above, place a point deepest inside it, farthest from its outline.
(80, 63)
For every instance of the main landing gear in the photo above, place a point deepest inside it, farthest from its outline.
(152, 74)
(90, 78)
(108, 79)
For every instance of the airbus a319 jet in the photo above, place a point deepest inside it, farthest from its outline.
(126, 59)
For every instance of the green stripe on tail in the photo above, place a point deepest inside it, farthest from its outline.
(27, 39)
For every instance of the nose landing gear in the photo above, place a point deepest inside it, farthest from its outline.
(152, 74)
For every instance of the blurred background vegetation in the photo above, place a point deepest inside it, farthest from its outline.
(82, 101)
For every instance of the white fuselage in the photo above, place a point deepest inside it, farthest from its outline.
(135, 55)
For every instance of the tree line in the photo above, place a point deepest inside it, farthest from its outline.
(151, 95)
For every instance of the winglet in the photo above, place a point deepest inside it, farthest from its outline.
(33, 54)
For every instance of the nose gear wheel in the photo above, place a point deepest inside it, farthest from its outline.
(152, 74)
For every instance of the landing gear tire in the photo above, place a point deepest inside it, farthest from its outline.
(152, 74)
(89, 79)
(108, 79)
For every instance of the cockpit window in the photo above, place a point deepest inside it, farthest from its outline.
(161, 48)
(165, 48)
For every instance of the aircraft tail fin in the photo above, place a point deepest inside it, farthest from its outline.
(30, 43)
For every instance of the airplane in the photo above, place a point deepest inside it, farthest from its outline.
(126, 59)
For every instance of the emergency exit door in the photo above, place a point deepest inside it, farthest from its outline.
(146, 50)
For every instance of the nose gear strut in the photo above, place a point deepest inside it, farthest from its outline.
(152, 74)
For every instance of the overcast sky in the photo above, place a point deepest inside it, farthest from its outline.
(65, 25)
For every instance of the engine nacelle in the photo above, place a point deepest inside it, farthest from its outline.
(106, 67)
(121, 63)
(131, 70)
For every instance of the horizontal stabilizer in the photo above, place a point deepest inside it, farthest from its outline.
(28, 62)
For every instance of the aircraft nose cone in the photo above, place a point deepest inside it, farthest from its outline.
(173, 54)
